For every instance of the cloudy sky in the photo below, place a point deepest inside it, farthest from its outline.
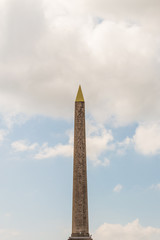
(48, 48)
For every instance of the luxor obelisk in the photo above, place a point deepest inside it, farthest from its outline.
(80, 225)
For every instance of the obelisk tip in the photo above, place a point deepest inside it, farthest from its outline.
(79, 97)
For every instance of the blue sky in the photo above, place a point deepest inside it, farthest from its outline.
(48, 48)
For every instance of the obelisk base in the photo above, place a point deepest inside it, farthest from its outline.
(80, 238)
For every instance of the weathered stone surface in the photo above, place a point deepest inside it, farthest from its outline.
(80, 238)
(80, 226)
(80, 201)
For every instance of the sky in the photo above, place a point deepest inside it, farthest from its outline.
(48, 48)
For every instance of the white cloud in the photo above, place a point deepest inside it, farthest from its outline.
(23, 145)
(155, 186)
(3, 133)
(65, 150)
(99, 140)
(130, 231)
(147, 138)
(118, 188)
(8, 215)
(105, 162)
(50, 47)
(9, 119)
(124, 145)
(127, 141)
(9, 234)
(51, 152)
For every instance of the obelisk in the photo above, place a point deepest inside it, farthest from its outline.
(80, 226)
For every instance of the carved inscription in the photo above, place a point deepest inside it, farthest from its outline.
(80, 199)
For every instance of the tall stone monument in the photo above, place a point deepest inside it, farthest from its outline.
(80, 226)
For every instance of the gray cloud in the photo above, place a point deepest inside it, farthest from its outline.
(48, 48)
(24, 26)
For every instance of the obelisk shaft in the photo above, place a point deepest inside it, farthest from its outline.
(80, 229)
(80, 199)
